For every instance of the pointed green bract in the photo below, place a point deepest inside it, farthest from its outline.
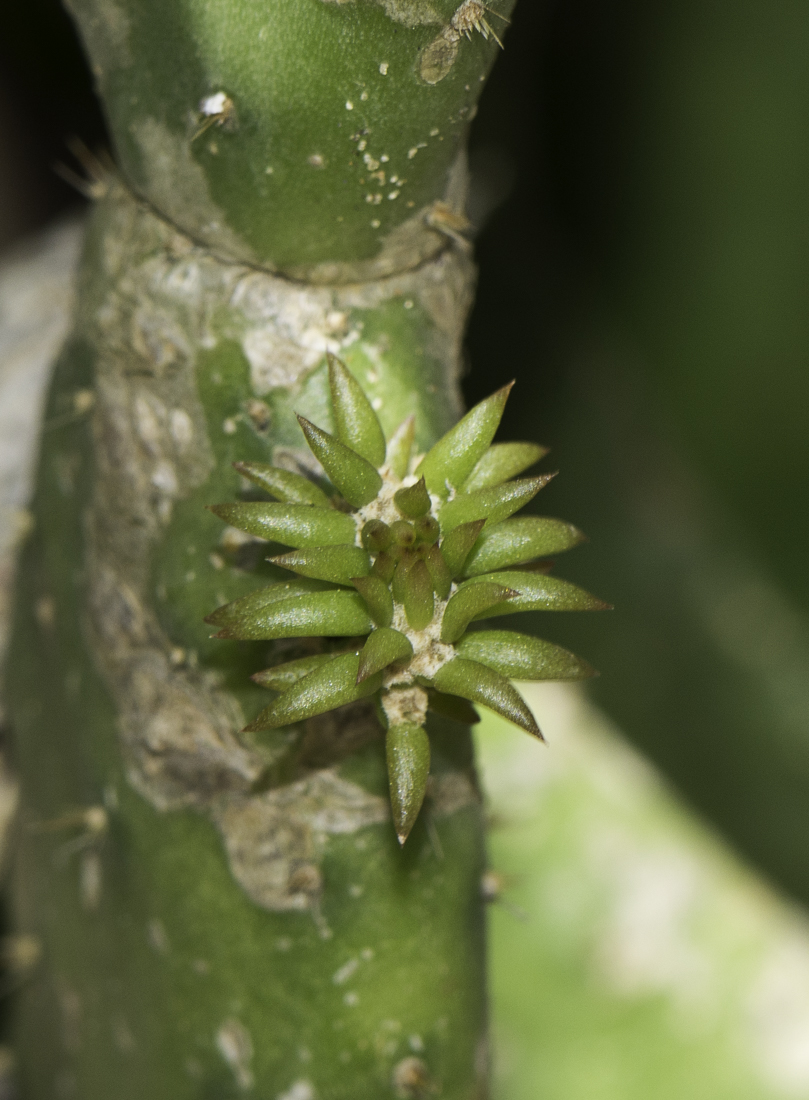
(408, 753)
(332, 685)
(453, 706)
(355, 478)
(494, 504)
(468, 603)
(439, 573)
(522, 657)
(377, 598)
(457, 544)
(283, 484)
(419, 599)
(384, 646)
(282, 677)
(337, 613)
(400, 447)
(454, 456)
(242, 610)
(414, 501)
(501, 462)
(536, 593)
(338, 564)
(356, 421)
(295, 525)
(480, 684)
(519, 540)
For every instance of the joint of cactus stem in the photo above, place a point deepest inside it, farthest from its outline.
(408, 552)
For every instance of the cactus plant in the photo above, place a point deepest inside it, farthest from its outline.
(372, 550)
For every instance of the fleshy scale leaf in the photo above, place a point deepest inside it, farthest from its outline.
(536, 593)
(332, 685)
(469, 602)
(338, 564)
(338, 613)
(384, 646)
(296, 525)
(522, 657)
(419, 599)
(283, 484)
(457, 544)
(501, 462)
(454, 456)
(408, 753)
(480, 684)
(518, 540)
(257, 601)
(282, 677)
(494, 504)
(377, 598)
(357, 423)
(400, 447)
(355, 478)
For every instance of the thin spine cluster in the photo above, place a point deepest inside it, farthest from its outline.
(409, 552)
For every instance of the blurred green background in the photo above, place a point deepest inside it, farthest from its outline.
(641, 186)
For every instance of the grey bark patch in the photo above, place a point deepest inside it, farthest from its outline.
(411, 13)
(275, 840)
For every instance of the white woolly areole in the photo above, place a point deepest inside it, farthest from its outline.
(405, 705)
(429, 652)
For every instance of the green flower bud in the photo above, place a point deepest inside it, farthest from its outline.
(403, 533)
(376, 536)
(427, 529)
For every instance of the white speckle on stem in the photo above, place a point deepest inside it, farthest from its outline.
(156, 935)
(383, 68)
(234, 1043)
(345, 972)
(300, 1090)
(90, 881)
